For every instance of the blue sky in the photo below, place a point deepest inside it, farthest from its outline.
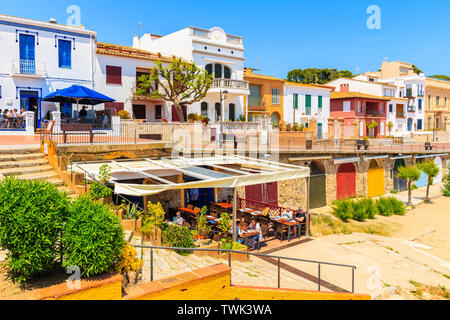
(284, 34)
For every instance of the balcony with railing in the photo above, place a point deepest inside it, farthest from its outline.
(206, 34)
(411, 109)
(28, 68)
(230, 84)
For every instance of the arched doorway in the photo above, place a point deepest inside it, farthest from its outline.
(275, 118)
(346, 181)
(438, 178)
(317, 186)
(422, 182)
(399, 184)
(375, 179)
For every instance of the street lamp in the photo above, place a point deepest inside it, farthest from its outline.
(223, 97)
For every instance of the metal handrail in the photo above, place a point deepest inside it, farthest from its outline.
(230, 251)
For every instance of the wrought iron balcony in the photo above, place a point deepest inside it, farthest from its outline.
(28, 68)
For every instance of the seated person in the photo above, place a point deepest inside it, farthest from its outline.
(287, 215)
(254, 226)
(265, 212)
(300, 216)
(179, 219)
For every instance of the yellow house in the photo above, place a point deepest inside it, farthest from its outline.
(437, 104)
(266, 97)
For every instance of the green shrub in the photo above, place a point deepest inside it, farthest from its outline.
(99, 190)
(446, 187)
(398, 207)
(343, 209)
(359, 211)
(389, 206)
(179, 237)
(32, 214)
(364, 209)
(93, 237)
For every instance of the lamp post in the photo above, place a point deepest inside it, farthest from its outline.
(223, 97)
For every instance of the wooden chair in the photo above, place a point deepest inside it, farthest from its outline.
(280, 229)
(48, 129)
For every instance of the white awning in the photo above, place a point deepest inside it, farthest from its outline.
(211, 172)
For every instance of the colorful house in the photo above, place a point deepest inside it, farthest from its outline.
(354, 114)
(437, 105)
(266, 97)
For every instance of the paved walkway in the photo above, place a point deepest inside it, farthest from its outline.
(19, 141)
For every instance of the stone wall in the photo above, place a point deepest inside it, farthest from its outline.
(292, 193)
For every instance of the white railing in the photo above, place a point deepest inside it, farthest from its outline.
(230, 84)
(234, 39)
(201, 33)
(28, 68)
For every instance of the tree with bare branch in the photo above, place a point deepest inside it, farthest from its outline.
(180, 83)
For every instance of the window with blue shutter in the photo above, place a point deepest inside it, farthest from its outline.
(27, 54)
(65, 53)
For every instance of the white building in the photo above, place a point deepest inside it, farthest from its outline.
(303, 102)
(412, 88)
(38, 58)
(219, 53)
(117, 71)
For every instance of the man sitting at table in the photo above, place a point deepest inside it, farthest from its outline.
(254, 226)
(300, 216)
(179, 219)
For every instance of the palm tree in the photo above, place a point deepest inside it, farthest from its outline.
(431, 170)
(411, 175)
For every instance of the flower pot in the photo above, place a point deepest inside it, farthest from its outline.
(207, 244)
(132, 225)
(237, 256)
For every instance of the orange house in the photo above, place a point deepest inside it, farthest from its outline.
(266, 97)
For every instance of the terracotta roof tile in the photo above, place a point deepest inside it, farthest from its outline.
(347, 95)
(129, 52)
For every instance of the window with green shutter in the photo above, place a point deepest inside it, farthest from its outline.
(295, 96)
(320, 102)
(308, 105)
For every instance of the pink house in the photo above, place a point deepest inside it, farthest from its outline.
(356, 105)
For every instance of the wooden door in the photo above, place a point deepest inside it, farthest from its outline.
(346, 181)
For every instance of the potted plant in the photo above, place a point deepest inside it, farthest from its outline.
(205, 120)
(132, 220)
(152, 223)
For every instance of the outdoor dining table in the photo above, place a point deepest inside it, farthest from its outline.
(187, 210)
(246, 235)
(289, 224)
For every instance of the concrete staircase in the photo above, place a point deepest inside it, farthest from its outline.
(255, 272)
(29, 164)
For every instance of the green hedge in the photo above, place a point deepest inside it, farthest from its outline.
(32, 214)
(93, 237)
(365, 208)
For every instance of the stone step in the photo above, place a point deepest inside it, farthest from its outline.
(23, 164)
(20, 157)
(26, 150)
(69, 191)
(27, 170)
(50, 176)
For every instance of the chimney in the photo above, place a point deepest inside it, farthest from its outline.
(53, 20)
(344, 87)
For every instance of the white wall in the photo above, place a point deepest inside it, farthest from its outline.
(321, 117)
(46, 56)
